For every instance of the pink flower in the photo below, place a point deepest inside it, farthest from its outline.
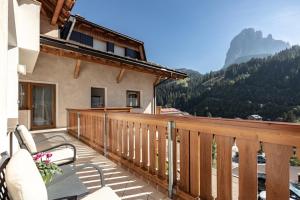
(49, 155)
(37, 156)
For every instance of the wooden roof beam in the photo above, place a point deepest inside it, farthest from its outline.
(157, 80)
(69, 4)
(77, 69)
(57, 11)
(121, 75)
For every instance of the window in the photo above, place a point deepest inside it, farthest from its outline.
(65, 30)
(97, 97)
(132, 53)
(133, 99)
(23, 96)
(110, 47)
(82, 38)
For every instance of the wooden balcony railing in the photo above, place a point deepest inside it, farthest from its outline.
(141, 142)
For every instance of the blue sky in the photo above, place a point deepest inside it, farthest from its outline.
(193, 34)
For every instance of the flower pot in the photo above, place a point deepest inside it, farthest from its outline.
(47, 179)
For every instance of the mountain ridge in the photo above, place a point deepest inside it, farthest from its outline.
(250, 43)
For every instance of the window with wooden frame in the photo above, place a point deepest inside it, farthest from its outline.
(110, 47)
(132, 53)
(97, 97)
(24, 96)
(133, 99)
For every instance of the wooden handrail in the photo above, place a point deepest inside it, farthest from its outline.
(139, 141)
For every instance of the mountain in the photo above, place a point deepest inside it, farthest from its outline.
(269, 87)
(251, 44)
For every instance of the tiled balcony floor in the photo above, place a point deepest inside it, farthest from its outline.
(123, 182)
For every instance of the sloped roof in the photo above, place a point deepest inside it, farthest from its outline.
(76, 50)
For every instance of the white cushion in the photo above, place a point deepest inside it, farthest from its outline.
(103, 193)
(27, 138)
(23, 179)
(62, 155)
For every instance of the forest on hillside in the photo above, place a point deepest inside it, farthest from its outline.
(269, 87)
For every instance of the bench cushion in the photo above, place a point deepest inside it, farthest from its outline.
(27, 138)
(62, 155)
(103, 193)
(23, 179)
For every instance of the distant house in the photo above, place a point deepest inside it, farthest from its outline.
(254, 117)
(171, 111)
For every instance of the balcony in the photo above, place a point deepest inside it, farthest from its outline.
(174, 153)
(126, 184)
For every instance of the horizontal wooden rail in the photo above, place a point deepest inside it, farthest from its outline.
(140, 142)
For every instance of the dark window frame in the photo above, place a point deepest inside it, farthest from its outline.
(82, 38)
(132, 53)
(138, 98)
(110, 47)
(95, 96)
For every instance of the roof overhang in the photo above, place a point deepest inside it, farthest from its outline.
(58, 11)
(75, 50)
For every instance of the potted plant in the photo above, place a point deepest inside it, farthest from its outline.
(47, 168)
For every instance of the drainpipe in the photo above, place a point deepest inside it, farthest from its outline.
(73, 20)
(154, 94)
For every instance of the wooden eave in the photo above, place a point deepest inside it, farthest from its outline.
(77, 51)
(58, 11)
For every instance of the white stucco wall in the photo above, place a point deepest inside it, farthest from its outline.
(3, 72)
(12, 82)
(47, 29)
(28, 31)
(19, 20)
(76, 93)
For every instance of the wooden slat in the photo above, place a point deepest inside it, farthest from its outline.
(205, 166)
(145, 147)
(195, 163)
(175, 155)
(152, 149)
(162, 131)
(277, 171)
(224, 173)
(120, 144)
(131, 140)
(114, 136)
(137, 159)
(110, 134)
(184, 160)
(247, 169)
(125, 139)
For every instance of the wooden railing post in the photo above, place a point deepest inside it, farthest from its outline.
(78, 125)
(171, 128)
(105, 131)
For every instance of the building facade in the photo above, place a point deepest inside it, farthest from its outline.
(84, 65)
